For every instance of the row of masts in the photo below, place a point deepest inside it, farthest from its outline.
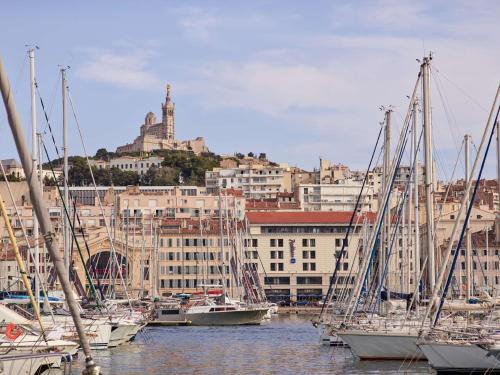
(41, 212)
(424, 259)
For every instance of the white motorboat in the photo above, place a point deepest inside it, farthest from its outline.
(208, 313)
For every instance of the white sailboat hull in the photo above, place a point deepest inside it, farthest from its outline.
(456, 358)
(28, 364)
(383, 345)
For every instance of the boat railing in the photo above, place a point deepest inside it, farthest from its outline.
(21, 311)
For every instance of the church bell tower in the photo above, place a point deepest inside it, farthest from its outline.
(168, 117)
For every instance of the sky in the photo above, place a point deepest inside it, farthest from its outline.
(298, 80)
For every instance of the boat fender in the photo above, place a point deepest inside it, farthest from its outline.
(13, 332)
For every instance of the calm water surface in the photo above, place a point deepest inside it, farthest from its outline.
(286, 345)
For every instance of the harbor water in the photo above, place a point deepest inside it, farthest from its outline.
(285, 345)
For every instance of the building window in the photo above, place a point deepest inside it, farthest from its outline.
(304, 242)
(273, 254)
(272, 242)
(313, 266)
(280, 267)
(273, 266)
(345, 267)
(305, 254)
(305, 266)
(312, 254)
(254, 242)
(312, 242)
(338, 242)
(304, 280)
(280, 254)
(280, 242)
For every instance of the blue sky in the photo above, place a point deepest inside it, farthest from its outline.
(298, 80)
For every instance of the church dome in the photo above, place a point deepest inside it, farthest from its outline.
(150, 119)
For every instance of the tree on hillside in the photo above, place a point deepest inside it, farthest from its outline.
(102, 154)
(160, 177)
(192, 166)
(115, 176)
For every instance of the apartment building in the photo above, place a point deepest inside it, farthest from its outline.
(341, 196)
(256, 181)
(485, 264)
(180, 202)
(298, 251)
(189, 256)
(139, 165)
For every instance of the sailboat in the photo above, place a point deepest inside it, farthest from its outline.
(15, 361)
(219, 309)
(475, 349)
(393, 336)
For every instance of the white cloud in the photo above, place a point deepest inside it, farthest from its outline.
(336, 93)
(127, 70)
(197, 23)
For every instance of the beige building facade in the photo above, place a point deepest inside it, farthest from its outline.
(256, 181)
(298, 251)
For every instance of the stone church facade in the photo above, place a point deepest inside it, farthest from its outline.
(161, 135)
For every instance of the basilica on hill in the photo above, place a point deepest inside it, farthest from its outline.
(161, 135)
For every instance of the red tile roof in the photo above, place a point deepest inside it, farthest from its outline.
(315, 217)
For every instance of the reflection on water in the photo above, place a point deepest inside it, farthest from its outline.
(286, 345)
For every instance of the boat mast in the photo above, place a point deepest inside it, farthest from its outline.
(387, 218)
(142, 257)
(416, 214)
(34, 156)
(408, 237)
(231, 246)
(126, 247)
(221, 232)
(153, 257)
(66, 232)
(487, 268)
(43, 218)
(429, 198)
(468, 255)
